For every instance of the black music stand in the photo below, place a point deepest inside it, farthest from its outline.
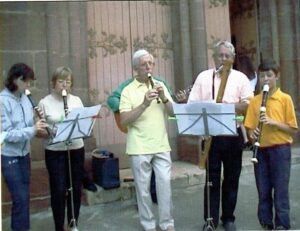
(78, 124)
(201, 119)
(205, 118)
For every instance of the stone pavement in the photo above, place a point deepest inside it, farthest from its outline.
(187, 185)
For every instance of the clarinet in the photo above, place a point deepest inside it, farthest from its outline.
(260, 124)
(64, 95)
(36, 109)
(152, 85)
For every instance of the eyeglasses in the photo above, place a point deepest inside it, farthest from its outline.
(226, 56)
(147, 64)
(62, 81)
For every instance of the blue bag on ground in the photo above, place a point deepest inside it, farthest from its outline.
(105, 169)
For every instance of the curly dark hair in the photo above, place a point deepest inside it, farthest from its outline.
(16, 71)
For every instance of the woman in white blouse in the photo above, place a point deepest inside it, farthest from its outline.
(56, 155)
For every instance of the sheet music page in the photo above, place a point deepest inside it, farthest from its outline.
(191, 118)
(87, 112)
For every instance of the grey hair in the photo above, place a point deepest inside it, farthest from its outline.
(137, 55)
(225, 44)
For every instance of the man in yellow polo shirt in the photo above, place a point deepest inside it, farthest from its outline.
(272, 172)
(144, 106)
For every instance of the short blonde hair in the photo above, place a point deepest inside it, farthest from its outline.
(61, 73)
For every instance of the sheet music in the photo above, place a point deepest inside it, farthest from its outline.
(87, 112)
(205, 118)
(78, 124)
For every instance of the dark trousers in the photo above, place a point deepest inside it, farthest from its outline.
(272, 174)
(226, 150)
(57, 166)
(16, 172)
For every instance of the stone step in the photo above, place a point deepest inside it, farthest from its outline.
(184, 174)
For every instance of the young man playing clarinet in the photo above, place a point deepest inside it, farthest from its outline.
(272, 171)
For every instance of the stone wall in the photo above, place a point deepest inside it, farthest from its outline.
(44, 35)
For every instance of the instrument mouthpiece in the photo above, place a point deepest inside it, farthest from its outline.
(219, 68)
(64, 92)
(27, 92)
(149, 75)
(266, 88)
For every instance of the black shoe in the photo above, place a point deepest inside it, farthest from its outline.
(229, 226)
(90, 186)
(267, 226)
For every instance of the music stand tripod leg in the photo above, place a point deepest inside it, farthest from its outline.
(209, 225)
(72, 225)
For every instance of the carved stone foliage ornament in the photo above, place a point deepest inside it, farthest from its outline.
(216, 3)
(161, 2)
(111, 44)
(150, 43)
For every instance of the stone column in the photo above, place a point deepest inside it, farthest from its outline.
(198, 37)
(181, 44)
(176, 40)
(286, 40)
(267, 22)
(57, 35)
(296, 13)
(66, 42)
(78, 48)
(185, 41)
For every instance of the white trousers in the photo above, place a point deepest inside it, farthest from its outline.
(142, 167)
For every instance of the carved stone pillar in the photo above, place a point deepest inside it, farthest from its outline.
(267, 22)
(181, 44)
(66, 42)
(198, 36)
(287, 45)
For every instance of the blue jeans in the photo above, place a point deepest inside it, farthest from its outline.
(16, 172)
(57, 166)
(226, 150)
(272, 173)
